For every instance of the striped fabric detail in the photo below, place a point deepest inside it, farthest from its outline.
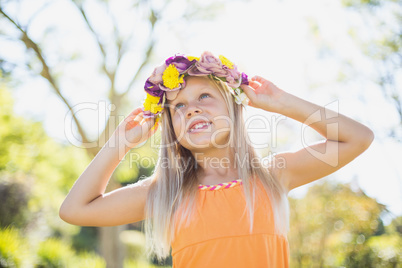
(219, 186)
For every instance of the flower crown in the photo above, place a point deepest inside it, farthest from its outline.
(167, 79)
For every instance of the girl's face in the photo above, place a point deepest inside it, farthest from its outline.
(199, 115)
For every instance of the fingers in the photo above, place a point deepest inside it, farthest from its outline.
(138, 118)
(133, 119)
(254, 84)
(148, 123)
(258, 79)
(248, 90)
(150, 126)
(134, 113)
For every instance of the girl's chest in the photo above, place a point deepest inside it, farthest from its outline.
(223, 213)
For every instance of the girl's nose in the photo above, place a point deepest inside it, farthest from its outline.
(192, 110)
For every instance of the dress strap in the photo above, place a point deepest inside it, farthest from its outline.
(220, 186)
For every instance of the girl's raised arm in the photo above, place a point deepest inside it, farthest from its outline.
(87, 204)
(345, 138)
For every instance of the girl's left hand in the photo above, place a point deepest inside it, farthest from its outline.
(263, 94)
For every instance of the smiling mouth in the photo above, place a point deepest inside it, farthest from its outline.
(199, 126)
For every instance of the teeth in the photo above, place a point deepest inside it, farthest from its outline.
(199, 125)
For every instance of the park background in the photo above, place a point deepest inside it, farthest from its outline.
(71, 69)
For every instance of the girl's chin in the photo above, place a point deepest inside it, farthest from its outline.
(198, 144)
(193, 142)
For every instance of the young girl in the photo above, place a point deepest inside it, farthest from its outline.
(211, 199)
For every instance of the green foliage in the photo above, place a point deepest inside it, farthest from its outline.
(35, 176)
(13, 199)
(17, 251)
(334, 224)
(135, 244)
(86, 239)
(395, 226)
(379, 251)
(13, 248)
(55, 253)
(29, 159)
(89, 260)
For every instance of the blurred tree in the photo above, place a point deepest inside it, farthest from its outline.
(35, 175)
(368, 52)
(379, 251)
(368, 55)
(384, 48)
(14, 198)
(35, 171)
(334, 225)
(124, 35)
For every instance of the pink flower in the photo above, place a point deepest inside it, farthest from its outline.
(233, 79)
(232, 82)
(233, 72)
(156, 76)
(208, 64)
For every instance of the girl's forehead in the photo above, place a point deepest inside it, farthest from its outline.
(194, 86)
(197, 81)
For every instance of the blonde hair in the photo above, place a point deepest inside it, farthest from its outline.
(176, 185)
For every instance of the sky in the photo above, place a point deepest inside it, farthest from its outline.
(270, 38)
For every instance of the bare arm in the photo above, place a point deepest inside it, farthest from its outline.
(345, 138)
(87, 204)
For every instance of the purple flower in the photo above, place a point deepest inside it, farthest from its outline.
(244, 79)
(162, 97)
(208, 64)
(182, 63)
(153, 89)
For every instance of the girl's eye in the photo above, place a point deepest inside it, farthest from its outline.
(178, 105)
(202, 95)
(181, 104)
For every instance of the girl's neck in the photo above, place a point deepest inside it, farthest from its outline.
(216, 166)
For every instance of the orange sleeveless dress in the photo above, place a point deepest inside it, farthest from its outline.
(219, 234)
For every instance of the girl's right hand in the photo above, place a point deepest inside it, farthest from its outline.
(135, 129)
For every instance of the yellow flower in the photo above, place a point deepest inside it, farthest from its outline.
(151, 104)
(226, 62)
(171, 77)
(190, 58)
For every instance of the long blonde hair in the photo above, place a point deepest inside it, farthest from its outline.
(174, 182)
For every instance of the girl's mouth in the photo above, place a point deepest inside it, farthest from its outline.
(199, 127)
